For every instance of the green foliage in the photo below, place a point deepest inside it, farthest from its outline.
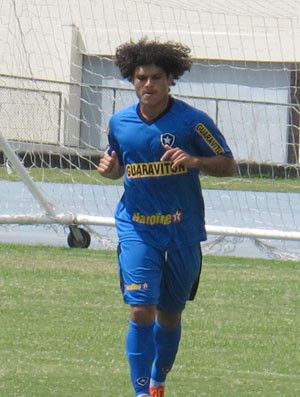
(63, 326)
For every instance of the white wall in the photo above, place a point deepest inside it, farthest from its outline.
(252, 111)
(35, 36)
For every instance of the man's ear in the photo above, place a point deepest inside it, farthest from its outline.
(171, 79)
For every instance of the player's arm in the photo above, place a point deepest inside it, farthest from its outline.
(109, 166)
(218, 165)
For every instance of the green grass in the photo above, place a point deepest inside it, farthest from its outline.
(261, 184)
(53, 175)
(63, 324)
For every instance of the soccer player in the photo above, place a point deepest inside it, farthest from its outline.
(160, 144)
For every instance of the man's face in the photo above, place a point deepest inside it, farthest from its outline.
(151, 85)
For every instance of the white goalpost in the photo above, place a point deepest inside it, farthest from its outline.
(59, 86)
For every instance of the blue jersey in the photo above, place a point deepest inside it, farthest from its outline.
(162, 206)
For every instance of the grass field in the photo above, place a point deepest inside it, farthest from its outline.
(63, 325)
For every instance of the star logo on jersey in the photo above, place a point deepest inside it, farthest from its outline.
(177, 217)
(167, 139)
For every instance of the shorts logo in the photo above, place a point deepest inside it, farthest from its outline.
(134, 287)
(167, 139)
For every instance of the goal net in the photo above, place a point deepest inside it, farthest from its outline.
(59, 86)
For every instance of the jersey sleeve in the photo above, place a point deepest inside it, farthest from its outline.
(113, 144)
(209, 139)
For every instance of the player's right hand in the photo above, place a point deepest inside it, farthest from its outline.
(109, 165)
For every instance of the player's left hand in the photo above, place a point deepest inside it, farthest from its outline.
(178, 156)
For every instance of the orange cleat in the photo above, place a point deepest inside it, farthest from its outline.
(157, 391)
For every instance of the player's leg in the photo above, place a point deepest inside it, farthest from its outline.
(140, 276)
(167, 334)
(140, 355)
(181, 271)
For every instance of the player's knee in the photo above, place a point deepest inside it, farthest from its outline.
(168, 320)
(143, 314)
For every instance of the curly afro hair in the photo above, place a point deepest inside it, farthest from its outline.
(174, 58)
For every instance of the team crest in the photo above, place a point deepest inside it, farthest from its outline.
(167, 139)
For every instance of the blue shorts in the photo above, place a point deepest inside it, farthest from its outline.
(152, 276)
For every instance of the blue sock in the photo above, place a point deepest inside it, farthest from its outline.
(167, 342)
(140, 353)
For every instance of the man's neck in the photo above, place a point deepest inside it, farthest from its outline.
(151, 113)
